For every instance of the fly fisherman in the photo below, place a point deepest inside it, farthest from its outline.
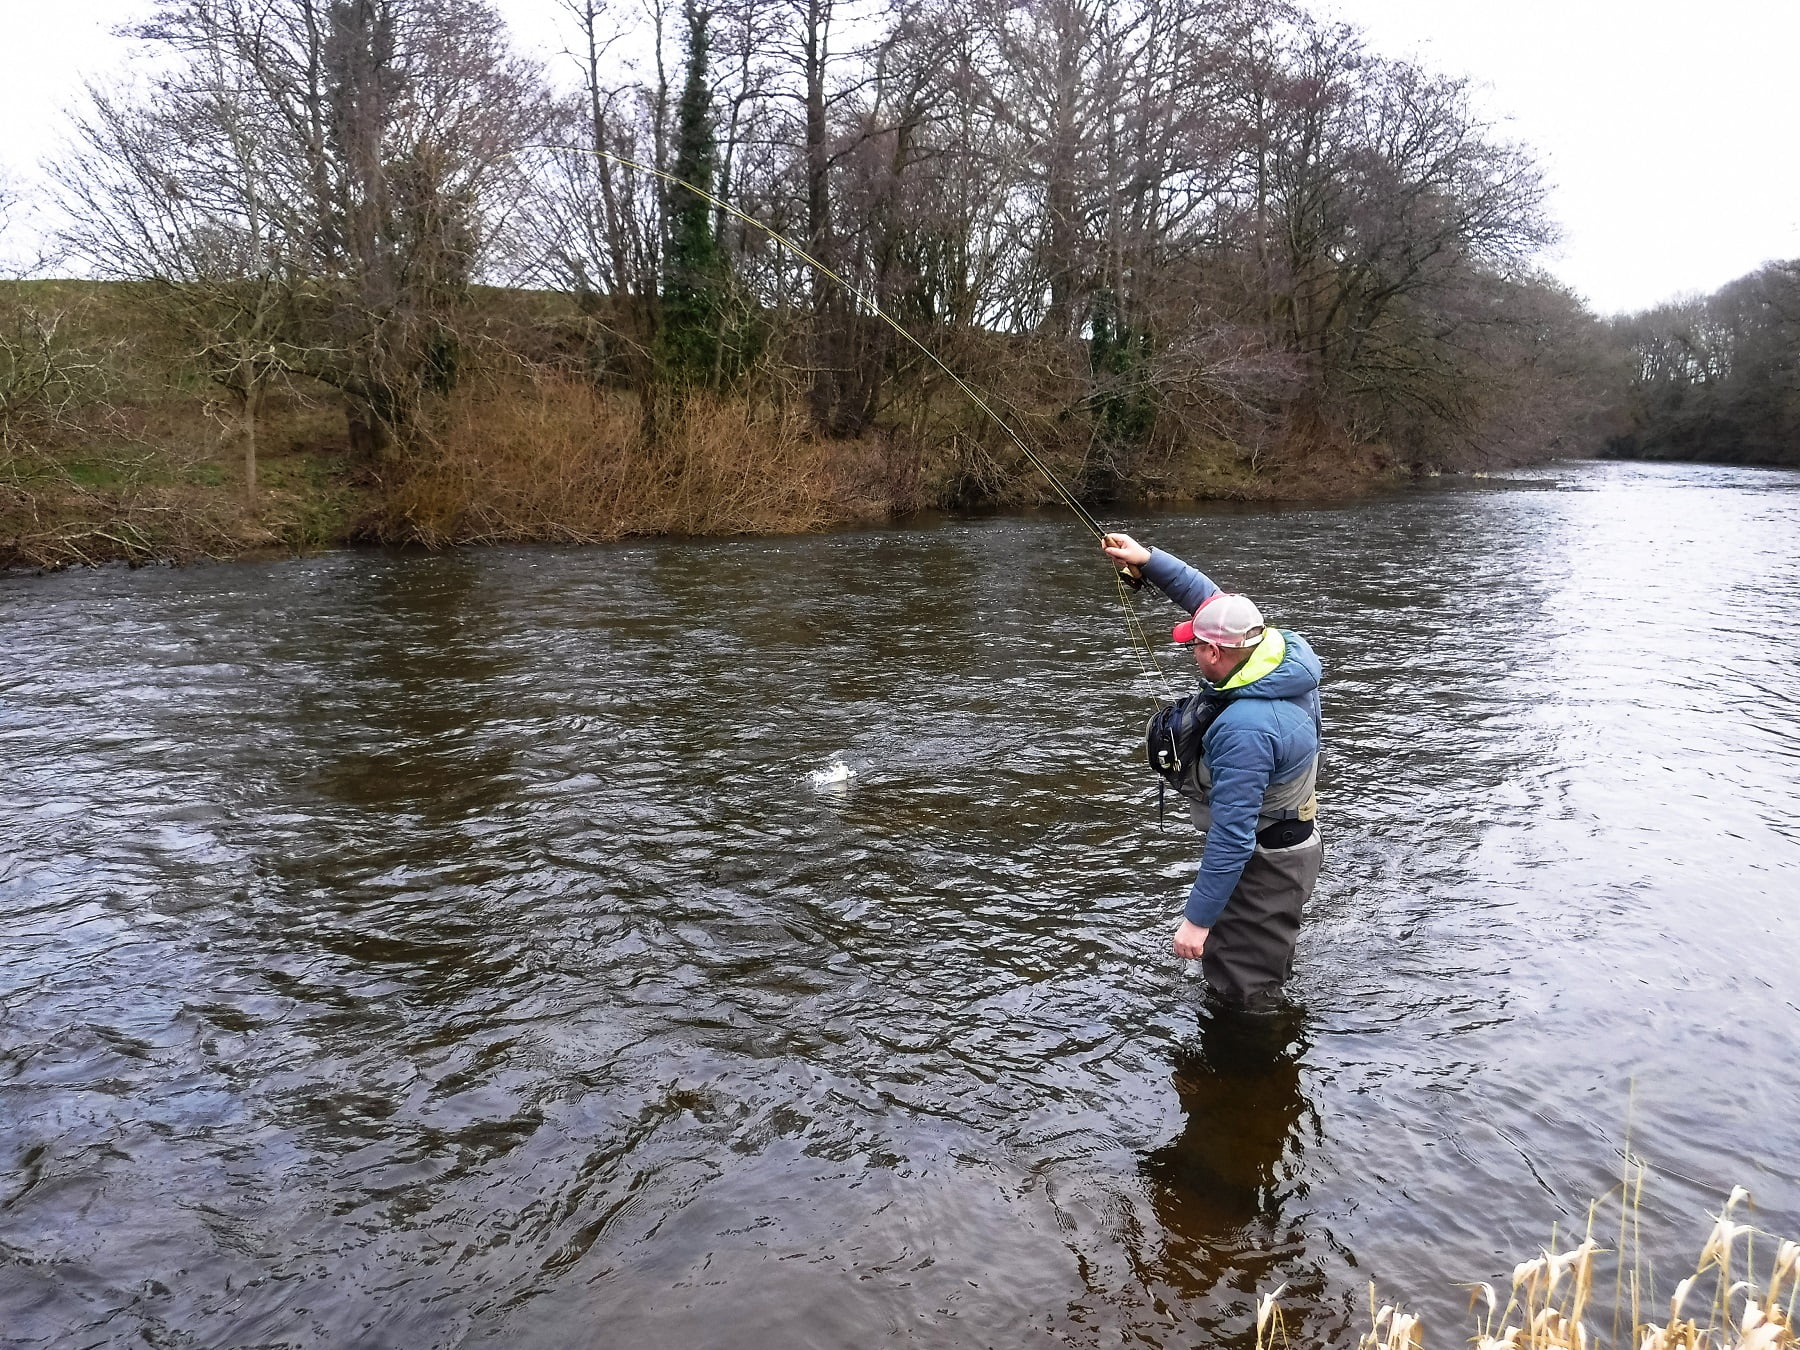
(1250, 787)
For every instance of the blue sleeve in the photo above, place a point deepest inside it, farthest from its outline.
(1187, 586)
(1242, 761)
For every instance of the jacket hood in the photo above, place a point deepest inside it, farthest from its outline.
(1298, 673)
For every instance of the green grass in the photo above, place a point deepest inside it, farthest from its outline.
(324, 504)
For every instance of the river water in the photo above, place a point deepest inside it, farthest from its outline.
(423, 951)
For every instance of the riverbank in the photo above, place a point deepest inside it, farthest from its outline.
(114, 446)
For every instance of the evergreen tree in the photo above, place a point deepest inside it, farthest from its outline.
(694, 271)
(1117, 356)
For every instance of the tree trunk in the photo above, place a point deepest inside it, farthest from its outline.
(247, 416)
(825, 337)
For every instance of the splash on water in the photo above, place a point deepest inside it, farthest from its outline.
(835, 774)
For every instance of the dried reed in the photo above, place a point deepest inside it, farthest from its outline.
(553, 458)
(1551, 1296)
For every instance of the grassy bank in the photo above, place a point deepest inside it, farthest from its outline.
(115, 446)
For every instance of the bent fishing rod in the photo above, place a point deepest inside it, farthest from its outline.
(1127, 576)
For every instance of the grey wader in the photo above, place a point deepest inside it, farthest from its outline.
(1250, 947)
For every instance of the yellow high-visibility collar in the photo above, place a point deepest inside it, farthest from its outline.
(1264, 659)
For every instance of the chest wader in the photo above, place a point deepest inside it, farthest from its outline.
(1250, 949)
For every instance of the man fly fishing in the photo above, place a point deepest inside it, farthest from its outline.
(1244, 753)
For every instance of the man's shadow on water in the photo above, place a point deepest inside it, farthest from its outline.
(1221, 1187)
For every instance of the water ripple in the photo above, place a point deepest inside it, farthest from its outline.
(405, 950)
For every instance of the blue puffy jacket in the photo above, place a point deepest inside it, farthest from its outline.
(1268, 733)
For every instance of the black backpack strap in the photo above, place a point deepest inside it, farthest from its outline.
(1175, 738)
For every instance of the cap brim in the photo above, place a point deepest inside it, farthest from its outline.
(1184, 634)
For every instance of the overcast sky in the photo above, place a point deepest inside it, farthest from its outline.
(1671, 132)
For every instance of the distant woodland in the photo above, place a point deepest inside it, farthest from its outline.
(356, 269)
(1715, 378)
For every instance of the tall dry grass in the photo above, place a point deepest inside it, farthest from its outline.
(1728, 1302)
(552, 458)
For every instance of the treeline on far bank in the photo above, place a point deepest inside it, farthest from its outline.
(366, 272)
(1713, 377)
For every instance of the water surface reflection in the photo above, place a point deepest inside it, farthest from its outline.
(1223, 1188)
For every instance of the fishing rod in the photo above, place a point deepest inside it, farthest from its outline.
(1128, 577)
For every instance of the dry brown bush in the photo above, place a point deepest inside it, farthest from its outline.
(552, 458)
(53, 525)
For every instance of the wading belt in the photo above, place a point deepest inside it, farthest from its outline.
(1285, 833)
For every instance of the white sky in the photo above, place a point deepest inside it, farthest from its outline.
(1670, 131)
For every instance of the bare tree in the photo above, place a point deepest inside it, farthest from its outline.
(12, 210)
(310, 187)
(1154, 222)
(46, 372)
(192, 221)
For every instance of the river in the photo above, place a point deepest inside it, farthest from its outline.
(419, 951)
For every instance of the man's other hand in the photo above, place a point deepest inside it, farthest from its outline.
(1123, 548)
(1190, 940)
